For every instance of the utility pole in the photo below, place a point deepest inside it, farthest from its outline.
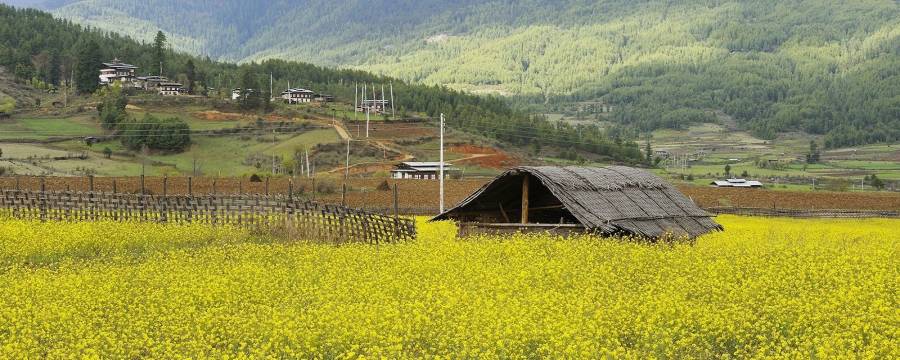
(442, 166)
(307, 164)
(271, 86)
(383, 101)
(393, 116)
(273, 151)
(347, 167)
(356, 101)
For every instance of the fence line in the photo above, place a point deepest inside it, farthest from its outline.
(283, 214)
(801, 213)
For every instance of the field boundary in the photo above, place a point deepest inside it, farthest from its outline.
(800, 213)
(284, 215)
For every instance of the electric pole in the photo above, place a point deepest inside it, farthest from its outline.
(442, 166)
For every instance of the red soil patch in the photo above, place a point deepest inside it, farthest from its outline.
(396, 131)
(213, 115)
(485, 157)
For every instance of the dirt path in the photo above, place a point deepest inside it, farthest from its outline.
(342, 132)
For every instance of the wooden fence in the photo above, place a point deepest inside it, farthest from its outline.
(800, 213)
(283, 214)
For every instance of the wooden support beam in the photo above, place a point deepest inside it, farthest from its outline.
(503, 212)
(525, 185)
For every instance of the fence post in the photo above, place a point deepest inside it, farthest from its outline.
(344, 194)
(267, 186)
(396, 214)
(290, 189)
(43, 200)
(91, 183)
(314, 188)
(190, 186)
(142, 184)
(214, 186)
(241, 186)
(165, 185)
(114, 190)
(17, 183)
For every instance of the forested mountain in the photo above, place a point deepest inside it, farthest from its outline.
(39, 49)
(820, 66)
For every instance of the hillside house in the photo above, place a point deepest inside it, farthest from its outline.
(298, 96)
(116, 70)
(614, 200)
(150, 83)
(422, 170)
(171, 89)
(737, 183)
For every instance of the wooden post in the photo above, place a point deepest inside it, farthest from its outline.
(165, 185)
(114, 187)
(314, 188)
(91, 183)
(43, 200)
(290, 188)
(190, 186)
(525, 184)
(344, 194)
(17, 183)
(396, 214)
(241, 186)
(267, 186)
(214, 187)
(142, 184)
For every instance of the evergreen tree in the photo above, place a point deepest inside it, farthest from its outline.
(87, 69)
(250, 94)
(159, 51)
(191, 72)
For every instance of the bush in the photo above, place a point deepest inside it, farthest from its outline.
(172, 134)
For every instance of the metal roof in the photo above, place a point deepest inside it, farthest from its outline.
(608, 200)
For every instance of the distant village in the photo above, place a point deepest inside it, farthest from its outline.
(125, 74)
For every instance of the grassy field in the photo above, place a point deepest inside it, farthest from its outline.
(763, 288)
(43, 128)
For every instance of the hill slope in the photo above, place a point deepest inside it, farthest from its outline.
(820, 66)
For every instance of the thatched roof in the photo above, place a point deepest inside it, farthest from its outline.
(608, 200)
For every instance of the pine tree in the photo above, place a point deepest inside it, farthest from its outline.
(191, 72)
(87, 69)
(159, 50)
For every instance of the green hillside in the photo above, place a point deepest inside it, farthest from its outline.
(43, 51)
(820, 66)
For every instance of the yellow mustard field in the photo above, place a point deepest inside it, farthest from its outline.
(779, 288)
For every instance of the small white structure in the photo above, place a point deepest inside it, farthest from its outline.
(296, 96)
(238, 93)
(376, 106)
(116, 70)
(737, 183)
(421, 170)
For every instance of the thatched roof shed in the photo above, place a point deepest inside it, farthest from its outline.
(614, 200)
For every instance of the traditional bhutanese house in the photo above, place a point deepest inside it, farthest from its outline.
(116, 70)
(613, 200)
(421, 170)
(297, 96)
(737, 183)
(170, 89)
(150, 83)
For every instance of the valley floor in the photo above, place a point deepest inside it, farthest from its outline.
(762, 288)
